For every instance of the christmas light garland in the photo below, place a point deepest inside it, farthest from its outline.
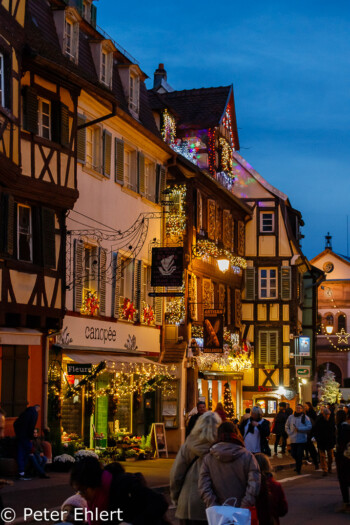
(211, 151)
(176, 217)
(337, 348)
(175, 310)
(205, 249)
(226, 157)
(168, 130)
(223, 362)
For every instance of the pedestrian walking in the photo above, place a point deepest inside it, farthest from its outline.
(229, 471)
(278, 427)
(255, 432)
(310, 451)
(24, 429)
(342, 458)
(221, 411)
(184, 473)
(123, 496)
(271, 502)
(201, 409)
(297, 427)
(324, 433)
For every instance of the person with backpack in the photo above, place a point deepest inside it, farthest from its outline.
(298, 426)
(120, 496)
(278, 427)
(271, 502)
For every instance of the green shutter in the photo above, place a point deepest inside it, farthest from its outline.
(102, 256)
(286, 292)
(81, 140)
(78, 274)
(158, 311)
(250, 284)
(107, 151)
(140, 173)
(30, 110)
(119, 161)
(117, 274)
(93, 15)
(263, 348)
(64, 126)
(273, 357)
(48, 237)
(137, 288)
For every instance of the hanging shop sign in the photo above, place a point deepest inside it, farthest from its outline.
(77, 369)
(303, 371)
(167, 266)
(304, 346)
(213, 331)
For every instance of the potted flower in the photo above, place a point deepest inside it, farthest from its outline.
(63, 463)
(131, 455)
(81, 454)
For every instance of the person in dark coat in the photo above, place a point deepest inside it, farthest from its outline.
(324, 433)
(310, 450)
(279, 428)
(271, 503)
(124, 496)
(24, 429)
(342, 459)
(201, 408)
(255, 432)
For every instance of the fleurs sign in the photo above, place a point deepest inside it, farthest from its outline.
(75, 369)
(167, 266)
(213, 331)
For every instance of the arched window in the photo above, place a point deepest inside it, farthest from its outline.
(342, 322)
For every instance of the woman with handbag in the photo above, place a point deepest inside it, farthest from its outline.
(185, 470)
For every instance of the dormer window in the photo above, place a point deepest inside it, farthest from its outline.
(71, 36)
(87, 10)
(134, 92)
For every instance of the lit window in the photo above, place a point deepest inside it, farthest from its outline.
(2, 80)
(267, 283)
(24, 233)
(44, 118)
(267, 222)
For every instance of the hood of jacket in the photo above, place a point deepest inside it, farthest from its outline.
(226, 452)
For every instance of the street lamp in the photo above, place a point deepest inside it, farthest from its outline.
(329, 324)
(223, 264)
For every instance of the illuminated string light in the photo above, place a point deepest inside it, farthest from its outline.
(205, 249)
(168, 130)
(176, 217)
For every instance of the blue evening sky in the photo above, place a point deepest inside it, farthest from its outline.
(289, 64)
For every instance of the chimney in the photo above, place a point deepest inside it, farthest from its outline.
(159, 75)
(328, 242)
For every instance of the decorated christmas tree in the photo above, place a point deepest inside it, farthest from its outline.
(328, 388)
(228, 403)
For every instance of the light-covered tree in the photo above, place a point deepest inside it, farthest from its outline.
(328, 388)
(228, 403)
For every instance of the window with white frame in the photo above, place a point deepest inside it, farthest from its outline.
(130, 168)
(150, 180)
(71, 39)
(2, 80)
(267, 222)
(93, 148)
(90, 268)
(87, 10)
(44, 118)
(24, 233)
(268, 347)
(127, 279)
(267, 283)
(134, 92)
(106, 67)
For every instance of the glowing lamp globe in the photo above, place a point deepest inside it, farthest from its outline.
(223, 265)
(329, 329)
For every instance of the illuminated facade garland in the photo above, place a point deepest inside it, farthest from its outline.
(205, 249)
(211, 151)
(226, 157)
(175, 310)
(176, 218)
(223, 363)
(168, 130)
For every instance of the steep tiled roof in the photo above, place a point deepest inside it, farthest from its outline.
(195, 108)
(42, 39)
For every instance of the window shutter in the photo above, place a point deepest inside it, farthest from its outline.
(30, 110)
(48, 237)
(158, 195)
(93, 15)
(56, 121)
(286, 272)
(199, 211)
(158, 311)
(250, 284)
(7, 79)
(162, 181)
(14, 379)
(37, 237)
(78, 274)
(137, 289)
(76, 42)
(64, 126)
(7, 234)
(102, 268)
(116, 285)
(211, 218)
(273, 357)
(119, 161)
(141, 173)
(107, 151)
(263, 349)
(81, 140)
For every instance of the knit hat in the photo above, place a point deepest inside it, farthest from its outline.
(75, 501)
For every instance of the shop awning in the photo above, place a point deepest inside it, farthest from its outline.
(20, 336)
(113, 362)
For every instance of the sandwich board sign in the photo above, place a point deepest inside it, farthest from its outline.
(158, 438)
